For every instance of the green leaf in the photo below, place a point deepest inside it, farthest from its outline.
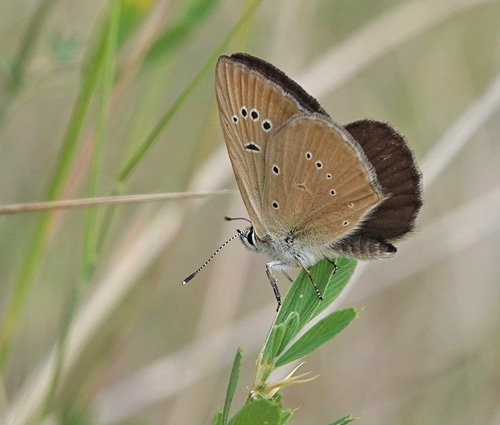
(320, 333)
(273, 343)
(217, 418)
(291, 325)
(258, 412)
(285, 415)
(231, 388)
(302, 299)
(344, 421)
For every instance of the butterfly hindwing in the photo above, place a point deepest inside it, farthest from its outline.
(398, 174)
(318, 183)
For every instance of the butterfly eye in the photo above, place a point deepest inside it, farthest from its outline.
(329, 176)
(251, 237)
(309, 155)
(266, 125)
(276, 169)
(254, 114)
(319, 165)
(333, 192)
(275, 205)
(244, 111)
(235, 119)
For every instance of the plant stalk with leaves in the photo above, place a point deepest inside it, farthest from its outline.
(283, 345)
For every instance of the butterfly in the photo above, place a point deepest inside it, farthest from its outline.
(313, 189)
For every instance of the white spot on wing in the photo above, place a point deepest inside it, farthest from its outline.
(267, 125)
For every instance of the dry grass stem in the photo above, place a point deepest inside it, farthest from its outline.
(107, 200)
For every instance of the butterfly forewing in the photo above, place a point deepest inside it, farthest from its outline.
(251, 108)
(318, 183)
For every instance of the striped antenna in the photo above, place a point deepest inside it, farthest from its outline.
(237, 218)
(192, 275)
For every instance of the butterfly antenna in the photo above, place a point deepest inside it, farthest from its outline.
(192, 275)
(236, 218)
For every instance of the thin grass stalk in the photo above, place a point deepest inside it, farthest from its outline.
(91, 225)
(32, 207)
(90, 234)
(34, 253)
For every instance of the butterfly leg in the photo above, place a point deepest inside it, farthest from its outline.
(318, 293)
(335, 267)
(274, 282)
(287, 276)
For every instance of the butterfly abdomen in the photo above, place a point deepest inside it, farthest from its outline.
(365, 248)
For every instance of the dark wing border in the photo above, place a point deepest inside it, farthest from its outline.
(308, 102)
(397, 173)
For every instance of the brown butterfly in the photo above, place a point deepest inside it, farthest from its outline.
(313, 189)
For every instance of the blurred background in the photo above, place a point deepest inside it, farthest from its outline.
(95, 325)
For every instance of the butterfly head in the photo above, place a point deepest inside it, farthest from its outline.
(249, 238)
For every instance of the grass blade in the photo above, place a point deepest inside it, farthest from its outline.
(344, 421)
(231, 388)
(34, 252)
(91, 228)
(90, 236)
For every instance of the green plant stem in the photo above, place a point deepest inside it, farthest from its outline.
(263, 370)
(35, 249)
(91, 233)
